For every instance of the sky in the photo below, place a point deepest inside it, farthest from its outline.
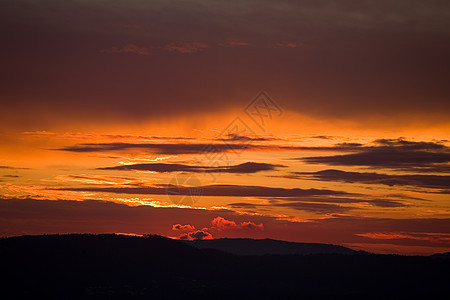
(307, 121)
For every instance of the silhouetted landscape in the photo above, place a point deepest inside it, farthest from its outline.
(268, 246)
(106, 266)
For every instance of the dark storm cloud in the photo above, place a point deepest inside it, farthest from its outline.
(426, 181)
(244, 168)
(214, 190)
(394, 154)
(346, 59)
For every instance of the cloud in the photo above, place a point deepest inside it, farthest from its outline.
(98, 136)
(12, 168)
(130, 48)
(320, 208)
(217, 224)
(308, 205)
(203, 148)
(425, 181)
(285, 45)
(185, 47)
(434, 238)
(103, 179)
(320, 204)
(238, 137)
(179, 227)
(244, 168)
(196, 235)
(234, 43)
(375, 44)
(214, 190)
(393, 154)
(221, 224)
(158, 148)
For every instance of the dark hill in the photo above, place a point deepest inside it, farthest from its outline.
(445, 255)
(269, 246)
(154, 267)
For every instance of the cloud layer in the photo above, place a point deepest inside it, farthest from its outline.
(244, 168)
(324, 59)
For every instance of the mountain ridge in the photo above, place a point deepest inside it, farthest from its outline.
(249, 246)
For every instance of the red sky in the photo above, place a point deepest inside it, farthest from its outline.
(147, 117)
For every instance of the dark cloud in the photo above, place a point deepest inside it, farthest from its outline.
(323, 137)
(342, 200)
(395, 159)
(159, 148)
(214, 190)
(202, 148)
(351, 60)
(395, 154)
(196, 235)
(244, 168)
(12, 168)
(426, 181)
(243, 205)
(238, 137)
(321, 208)
(402, 144)
(318, 204)
(386, 203)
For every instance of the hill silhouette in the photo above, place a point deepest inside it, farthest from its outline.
(106, 266)
(245, 246)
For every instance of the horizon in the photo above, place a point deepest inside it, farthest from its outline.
(288, 120)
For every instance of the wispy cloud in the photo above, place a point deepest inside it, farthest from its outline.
(285, 45)
(185, 47)
(234, 43)
(431, 237)
(130, 48)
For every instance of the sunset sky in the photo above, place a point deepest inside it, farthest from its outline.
(307, 121)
